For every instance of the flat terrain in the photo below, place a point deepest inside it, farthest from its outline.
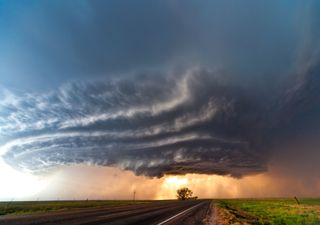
(156, 212)
(271, 211)
(226, 211)
(17, 207)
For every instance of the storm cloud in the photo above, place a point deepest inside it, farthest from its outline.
(192, 122)
(206, 88)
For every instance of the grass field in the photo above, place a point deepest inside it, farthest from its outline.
(273, 211)
(43, 206)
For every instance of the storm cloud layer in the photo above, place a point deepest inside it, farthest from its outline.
(190, 123)
(159, 88)
(193, 122)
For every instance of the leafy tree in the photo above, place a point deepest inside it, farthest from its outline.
(184, 193)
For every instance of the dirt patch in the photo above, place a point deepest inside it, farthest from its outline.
(208, 220)
(229, 216)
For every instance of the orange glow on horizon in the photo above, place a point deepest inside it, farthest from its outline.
(95, 182)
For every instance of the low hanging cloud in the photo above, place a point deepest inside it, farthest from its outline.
(192, 122)
(197, 121)
(254, 100)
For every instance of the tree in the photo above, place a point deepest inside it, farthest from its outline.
(184, 193)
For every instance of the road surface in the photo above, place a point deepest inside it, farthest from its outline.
(157, 213)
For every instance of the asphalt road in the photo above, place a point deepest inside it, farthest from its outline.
(157, 213)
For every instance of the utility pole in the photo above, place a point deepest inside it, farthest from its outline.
(134, 195)
(297, 201)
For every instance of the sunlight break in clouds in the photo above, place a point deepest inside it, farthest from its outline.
(96, 182)
(16, 185)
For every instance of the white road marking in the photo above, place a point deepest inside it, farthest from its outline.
(167, 220)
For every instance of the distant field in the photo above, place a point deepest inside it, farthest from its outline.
(43, 206)
(271, 211)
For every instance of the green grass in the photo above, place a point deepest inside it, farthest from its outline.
(44, 206)
(275, 211)
(310, 201)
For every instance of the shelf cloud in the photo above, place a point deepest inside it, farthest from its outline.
(160, 87)
(192, 122)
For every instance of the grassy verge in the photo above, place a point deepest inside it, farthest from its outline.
(44, 206)
(273, 211)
